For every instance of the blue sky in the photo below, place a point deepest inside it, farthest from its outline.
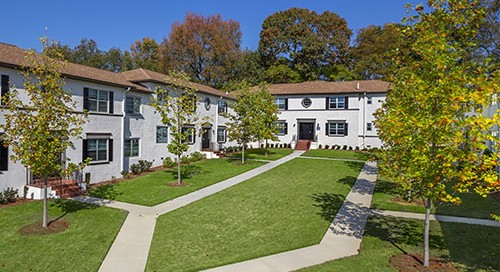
(120, 23)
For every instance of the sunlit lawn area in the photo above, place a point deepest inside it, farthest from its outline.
(386, 197)
(288, 207)
(338, 154)
(152, 189)
(469, 247)
(81, 247)
(260, 153)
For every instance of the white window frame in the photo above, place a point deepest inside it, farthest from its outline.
(369, 126)
(129, 147)
(163, 134)
(190, 135)
(281, 106)
(97, 150)
(221, 107)
(334, 126)
(369, 100)
(223, 135)
(97, 100)
(334, 102)
(282, 127)
(136, 105)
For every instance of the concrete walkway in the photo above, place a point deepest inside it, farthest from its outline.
(441, 218)
(130, 249)
(342, 239)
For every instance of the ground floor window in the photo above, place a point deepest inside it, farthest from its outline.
(336, 128)
(98, 150)
(189, 133)
(161, 135)
(369, 126)
(282, 127)
(221, 134)
(4, 156)
(132, 148)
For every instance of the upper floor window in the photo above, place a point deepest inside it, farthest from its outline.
(132, 148)
(282, 127)
(221, 134)
(336, 128)
(222, 107)
(4, 88)
(336, 102)
(161, 135)
(282, 103)
(133, 105)
(369, 126)
(97, 100)
(369, 100)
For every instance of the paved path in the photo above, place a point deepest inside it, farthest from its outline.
(442, 218)
(342, 239)
(330, 159)
(130, 249)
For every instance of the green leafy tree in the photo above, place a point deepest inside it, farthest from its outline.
(145, 54)
(489, 33)
(265, 115)
(40, 123)
(113, 60)
(88, 53)
(432, 125)
(305, 41)
(176, 105)
(281, 73)
(241, 126)
(206, 48)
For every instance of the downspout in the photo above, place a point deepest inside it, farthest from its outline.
(364, 119)
(122, 142)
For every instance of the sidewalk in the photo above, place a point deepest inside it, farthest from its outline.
(130, 249)
(442, 218)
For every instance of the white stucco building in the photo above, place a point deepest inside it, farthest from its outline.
(122, 128)
(330, 113)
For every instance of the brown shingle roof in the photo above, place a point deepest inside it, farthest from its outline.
(13, 56)
(143, 75)
(327, 87)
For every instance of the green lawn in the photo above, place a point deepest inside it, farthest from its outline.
(288, 207)
(338, 154)
(152, 189)
(469, 247)
(259, 153)
(386, 194)
(81, 247)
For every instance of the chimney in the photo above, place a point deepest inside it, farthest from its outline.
(357, 86)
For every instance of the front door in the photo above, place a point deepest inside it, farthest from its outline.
(205, 139)
(306, 131)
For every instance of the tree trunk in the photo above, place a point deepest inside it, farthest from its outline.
(179, 180)
(243, 154)
(266, 147)
(426, 231)
(44, 221)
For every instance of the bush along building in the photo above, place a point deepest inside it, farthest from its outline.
(320, 114)
(122, 128)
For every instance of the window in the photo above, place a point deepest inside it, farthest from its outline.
(282, 128)
(132, 148)
(336, 129)
(369, 126)
(4, 156)
(222, 107)
(99, 150)
(306, 102)
(4, 87)
(221, 134)
(161, 135)
(207, 103)
(133, 105)
(369, 100)
(282, 103)
(336, 102)
(97, 100)
(189, 134)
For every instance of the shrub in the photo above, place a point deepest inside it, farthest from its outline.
(145, 165)
(319, 146)
(168, 162)
(185, 159)
(350, 147)
(327, 146)
(344, 147)
(356, 148)
(125, 174)
(197, 156)
(135, 168)
(289, 145)
(25, 191)
(334, 146)
(261, 145)
(8, 195)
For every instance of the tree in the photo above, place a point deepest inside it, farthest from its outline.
(240, 127)
(145, 54)
(204, 47)
(177, 107)
(56, 50)
(489, 34)
(40, 123)
(265, 115)
(432, 125)
(371, 51)
(305, 41)
(88, 53)
(248, 68)
(113, 60)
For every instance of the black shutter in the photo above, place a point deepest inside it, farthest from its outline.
(327, 105)
(4, 157)
(286, 103)
(85, 98)
(346, 104)
(110, 150)
(194, 135)
(111, 102)
(346, 128)
(84, 150)
(5, 87)
(327, 128)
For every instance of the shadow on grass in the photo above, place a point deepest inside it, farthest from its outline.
(187, 171)
(329, 204)
(70, 206)
(355, 165)
(104, 192)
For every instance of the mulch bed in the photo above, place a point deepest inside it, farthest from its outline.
(17, 202)
(413, 263)
(417, 202)
(37, 229)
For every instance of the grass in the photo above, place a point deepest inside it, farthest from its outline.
(472, 205)
(288, 207)
(259, 154)
(385, 237)
(81, 247)
(338, 154)
(152, 189)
